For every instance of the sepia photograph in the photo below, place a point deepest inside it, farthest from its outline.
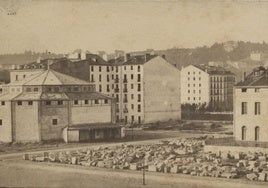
(134, 93)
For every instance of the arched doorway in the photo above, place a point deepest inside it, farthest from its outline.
(257, 133)
(244, 130)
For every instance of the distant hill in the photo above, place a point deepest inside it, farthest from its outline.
(24, 58)
(229, 51)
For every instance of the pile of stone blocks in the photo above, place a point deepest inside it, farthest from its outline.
(175, 156)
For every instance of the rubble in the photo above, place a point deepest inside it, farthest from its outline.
(175, 156)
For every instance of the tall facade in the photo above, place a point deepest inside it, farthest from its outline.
(207, 84)
(40, 106)
(146, 88)
(251, 107)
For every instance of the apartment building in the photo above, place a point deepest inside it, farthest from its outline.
(50, 105)
(206, 84)
(251, 107)
(146, 87)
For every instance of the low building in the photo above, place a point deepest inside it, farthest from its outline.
(251, 107)
(49, 105)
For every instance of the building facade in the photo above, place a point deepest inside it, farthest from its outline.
(251, 107)
(42, 105)
(146, 88)
(206, 84)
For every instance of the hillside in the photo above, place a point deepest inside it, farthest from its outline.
(27, 57)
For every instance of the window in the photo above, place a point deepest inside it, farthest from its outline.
(131, 67)
(194, 72)
(99, 68)
(132, 76)
(100, 88)
(188, 78)
(107, 69)
(139, 68)
(96, 101)
(47, 103)
(49, 89)
(125, 68)
(108, 88)
(244, 90)
(132, 96)
(257, 108)
(139, 87)
(1, 122)
(132, 106)
(188, 85)
(244, 108)
(193, 78)
(3, 103)
(76, 88)
(244, 131)
(19, 103)
(188, 73)
(188, 98)
(112, 76)
(28, 89)
(35, 89)
(199, 91)
(54, 121)
(139, 119)
(108, 79)
(30, 103)
(86, 101)
(257, 133)
(106, 101)
(189, 91)
(116, 69)
(139, 97)
(132, 86)
(257, 90)
(100, 78)
(199, 85)
(199, 78)
(75, 102)
(139, 77)
(132, 119)
(139, 108)
(92, 68)
(60, 102)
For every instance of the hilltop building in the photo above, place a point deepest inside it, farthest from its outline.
(49, 105)
(206, 84)
(146, 87)
(250, 107)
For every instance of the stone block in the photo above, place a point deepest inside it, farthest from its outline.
(26, 156)
(152, 168)
(262, 177)
(252, 176)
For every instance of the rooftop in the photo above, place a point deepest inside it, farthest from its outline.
(214, 70)
(258, 77)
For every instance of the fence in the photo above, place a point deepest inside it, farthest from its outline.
(230, 141)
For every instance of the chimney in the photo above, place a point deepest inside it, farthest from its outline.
(127, 56)
(147, 56)
(163, 56)
(244, 76)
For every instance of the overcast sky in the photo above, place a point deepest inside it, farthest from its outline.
(63, 26)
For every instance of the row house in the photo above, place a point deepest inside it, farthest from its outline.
(251, 107)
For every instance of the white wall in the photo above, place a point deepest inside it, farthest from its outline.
(6, 127)
(191, 90)
(250, 120)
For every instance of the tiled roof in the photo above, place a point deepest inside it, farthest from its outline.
(86, 95)
(28, 96)
(92, 126)
(141, 59)
(50, 77)
(259, 79)
(213, 70)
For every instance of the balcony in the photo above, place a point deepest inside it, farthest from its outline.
(116, 90)
(125, 90)
(116, 80)
(125, 80)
